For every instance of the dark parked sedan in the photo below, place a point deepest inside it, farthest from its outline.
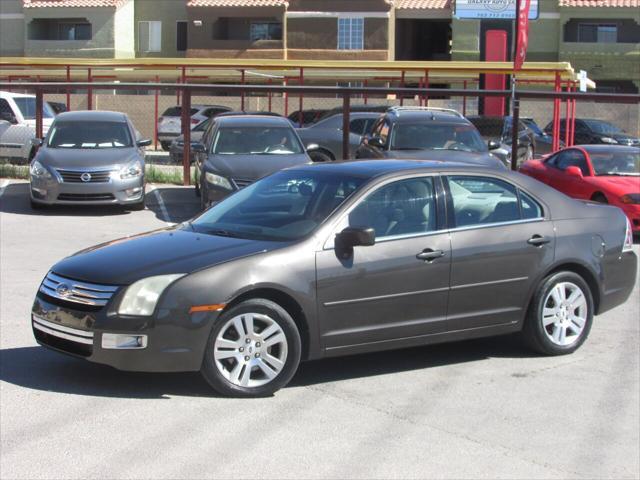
(499, 130)
(341, 258)
(592, 131)
(237, 150)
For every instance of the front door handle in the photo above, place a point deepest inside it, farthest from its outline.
(538, 241)
(429, 255)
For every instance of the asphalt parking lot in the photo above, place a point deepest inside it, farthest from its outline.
(478, 409)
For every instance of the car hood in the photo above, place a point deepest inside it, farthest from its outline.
(625, 184)
(89, 158)
(473, 158)
(620, 137)
(161, 252)
(252, 167)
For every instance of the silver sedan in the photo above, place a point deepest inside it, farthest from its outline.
(89, 158)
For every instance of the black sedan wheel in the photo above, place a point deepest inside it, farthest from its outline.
(560, 316)
(253, 350)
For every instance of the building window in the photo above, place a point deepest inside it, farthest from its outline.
(150, 36)
(597, 33)
(266, 31)
(59, 29)
(74, 31)
(350, 33)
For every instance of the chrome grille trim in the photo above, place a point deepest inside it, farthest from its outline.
(73, 176)
(67, 333)
(77, 292)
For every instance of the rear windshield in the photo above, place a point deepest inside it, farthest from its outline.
(255, 141)
(68, 134)
(27, 106)
(177, 112)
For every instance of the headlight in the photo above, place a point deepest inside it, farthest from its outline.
(134, 169)
(631, 198)
(608, 140)
(217, 180)
(142, 296)
(38, 170)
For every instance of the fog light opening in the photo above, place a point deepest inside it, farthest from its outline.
(131, 192)
(117, 341)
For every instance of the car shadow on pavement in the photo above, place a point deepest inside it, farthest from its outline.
(38, 368)
(15, 199)
(173, 204)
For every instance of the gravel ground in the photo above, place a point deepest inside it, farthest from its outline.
(478, 409)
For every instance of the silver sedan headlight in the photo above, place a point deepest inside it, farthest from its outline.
(134, 169)
(217, 180)
(37, 170)
(142, 296)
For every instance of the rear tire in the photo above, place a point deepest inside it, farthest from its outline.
(560, 315)
(253, 350)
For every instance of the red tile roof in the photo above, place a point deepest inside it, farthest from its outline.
(421, 4)
(600, 3)
(72, 3)
(236, 3)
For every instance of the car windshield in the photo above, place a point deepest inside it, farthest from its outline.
(533, 126)
(256, 141)
(27, 106)
(616, 162)
(599, 126)
(201, 127)
(76, 134)
(430, 136)
(286, 206)
(177, 112)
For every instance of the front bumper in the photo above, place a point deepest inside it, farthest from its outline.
(168, 136)
(174, 340)
(114, 192)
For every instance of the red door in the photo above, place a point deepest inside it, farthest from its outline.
(495, 51)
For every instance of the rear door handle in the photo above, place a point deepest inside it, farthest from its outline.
(538, 241)
(429, 255)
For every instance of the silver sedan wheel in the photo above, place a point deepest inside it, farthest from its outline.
(564, 314)
(250, 350)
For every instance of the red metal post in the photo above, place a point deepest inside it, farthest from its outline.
(39, 107)
(270, 95)
(300, 115)
(567, 120)
(186, 133)
(426, 85)
(242, 94)
(464, 100)
(401, 86)
(89, 91)
(68, 89)
(155, 118)
(286, 99)
(556, 116)
(366, 99)
(346, 114)
(572, 139)
(421, 95)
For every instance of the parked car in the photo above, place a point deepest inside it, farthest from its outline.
(89, 158)
(592, 131)
(337, 259)
(58, 107)
(177, 145)
(18, 126)
(602, 173)
(543, 141)
(326, 135)
(426, 133)
(170, 123)
(499, 131)
(237, 150)
(354, 109)
(309, 117)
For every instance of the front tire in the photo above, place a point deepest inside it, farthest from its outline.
(253, 350)
(560, 315)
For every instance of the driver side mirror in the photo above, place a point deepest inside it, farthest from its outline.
(493, 145)
(375, 142)
(143, 143)
(354, 237)
(312, 146)
(573, 171)
(198, 148)
(9, 117)
(36, 142)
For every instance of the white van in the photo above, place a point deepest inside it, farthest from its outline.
(18, 125)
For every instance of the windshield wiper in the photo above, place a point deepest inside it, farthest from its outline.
(223, 233)
(410, 148)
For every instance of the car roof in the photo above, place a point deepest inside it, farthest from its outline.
(609, 148)
(252, 121)
(92, 116)
(411, 116)
(376, 168)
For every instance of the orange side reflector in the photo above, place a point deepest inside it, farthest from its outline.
(216, 307)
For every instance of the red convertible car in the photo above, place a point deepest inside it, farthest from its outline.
(602, 173)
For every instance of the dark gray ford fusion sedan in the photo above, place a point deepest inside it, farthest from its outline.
(342, 258)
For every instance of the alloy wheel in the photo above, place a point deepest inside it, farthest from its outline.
(565, 314)
(250, 350)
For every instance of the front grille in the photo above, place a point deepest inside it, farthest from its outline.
(74, 291)
(71, 176)
(242, 182)
(85, 197)
(69, 340)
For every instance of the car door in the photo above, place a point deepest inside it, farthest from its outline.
(561, 180)
(368, 149)
(397, 288)
(500, 240)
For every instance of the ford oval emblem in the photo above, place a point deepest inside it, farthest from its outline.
(85, 177)
(63, 290)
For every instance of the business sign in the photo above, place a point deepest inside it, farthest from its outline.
(491, 9)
